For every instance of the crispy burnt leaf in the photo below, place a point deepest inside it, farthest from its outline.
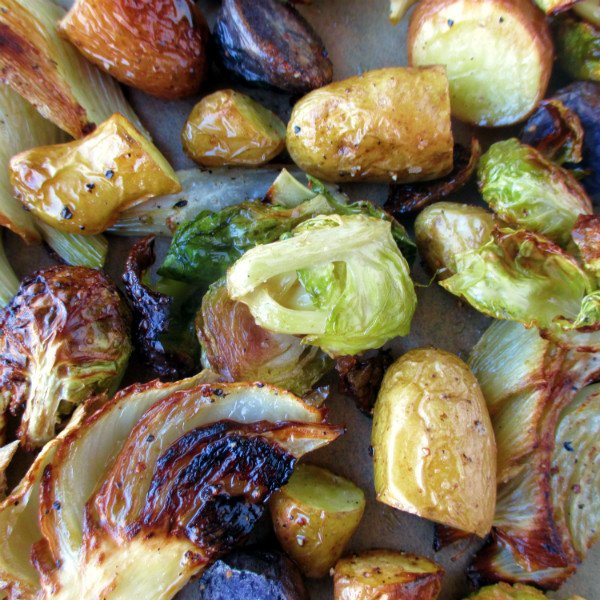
(166, 341)
(586, 235)
(237, 348)
(64, 337)
(411, 197)
(444, 535)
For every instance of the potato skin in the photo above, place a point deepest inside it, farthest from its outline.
(389, 574)
(158, 46)
(434, 446)
(229, 128)
(388, 125)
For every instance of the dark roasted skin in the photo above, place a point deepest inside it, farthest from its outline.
(586, 234)
(411, 197)
(444, 535)
(271, 44)
(153, 319)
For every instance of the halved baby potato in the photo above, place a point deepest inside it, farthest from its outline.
(498, 55)
(314, 516)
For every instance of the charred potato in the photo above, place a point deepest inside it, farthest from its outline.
(271, 44)
(434, 447)
(156, 46)
(82, 186)
(498, 55)
(388, 125)
(314, 517)
(229, 128)
(389, 574)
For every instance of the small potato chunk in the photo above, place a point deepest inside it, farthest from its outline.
(388, 125)
(433, 442)
(314, 517)
(498, 55)
(389, 574)
(229, 128)
(82, 186)
(156, 46)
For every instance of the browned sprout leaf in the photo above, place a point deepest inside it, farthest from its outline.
(586, 234)
(444, 535)
(410, 197)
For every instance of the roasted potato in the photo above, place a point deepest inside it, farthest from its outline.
(388, 125)
(156, 46)
(229, 128)
(498, 55)
(314, 517)
(82, 186)
(433, 443)
(389, 574)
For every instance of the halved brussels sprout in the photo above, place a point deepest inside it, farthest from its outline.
(339, 281)
(578, 48)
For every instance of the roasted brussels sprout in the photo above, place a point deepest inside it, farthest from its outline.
(389, 574)
(445, 230)
(505, 591)
(314, 516)
(431, 426)
(526, 190)
(588, 10)
(65, 337)
(578, 48)
(586, 235)
(51, 74)
(229, 128)
(339, 281)
(388, 125)
(82, 186)
(240, 350)
(158, 47)
(270, 43)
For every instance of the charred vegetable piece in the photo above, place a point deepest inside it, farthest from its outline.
(411, 197)
(445, 230)
(83, 186)
(386, 574)
(430, 426)
(498, 55)
(578, 48)
(526, 190)
(248, 573)
(443, 536)
(229, 128)
(270, 43)
(237, 348)
(170, 356)
(339, 281)
(314, 516)
(65, 337)
(203, 249)
(388, 125)
(51, 74)
(586, 235)
(156, 46)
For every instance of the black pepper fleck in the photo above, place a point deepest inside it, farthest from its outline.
(89, 186)
(568, 446)
(450, 22)
(296, 129)
(66, 213)
(109, 174)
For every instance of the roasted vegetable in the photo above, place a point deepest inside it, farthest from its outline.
(65, 337)
(586, 235)
(526, 190)
(237, 348)
(504, 591)
(82, 186)
(51, 74)
(143, 493)
(430, 427)
(588, 10)
(229, 128)
(158, 47)
(166, 341)
(270, 43)
(314, 516)
(578, 48)
(389, 574)
(339, 281)
(445, 230)
(498, 55)
(250, 574)
(6, 455)
(388, 125)
(554, 6)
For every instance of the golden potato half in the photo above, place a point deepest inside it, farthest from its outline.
(388, 125)
(314, 516)
(498, 55)
(433, 442)
(389, 574)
